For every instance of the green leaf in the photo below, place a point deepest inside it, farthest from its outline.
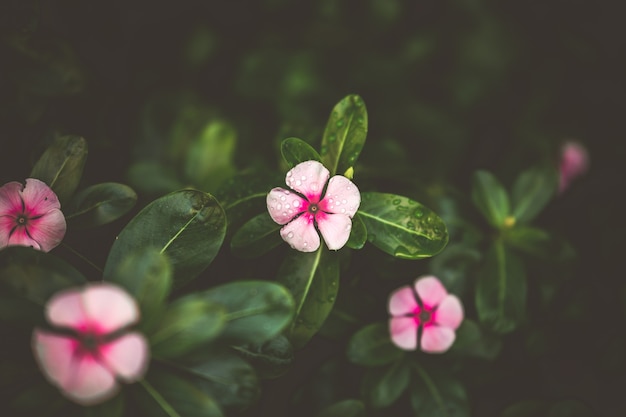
(532, 190)
(36, 399)
(344, 135)
(113, 407)
(271, 359)
(382, 386)
(454, 265)
(153, 178)
(256, 311)
(313, 280)
(472, 340)
(501, 290)
(358, 234)
(61, 165)
(402, 227)
(166, 394)
(345, 408)
(256, 237)
(100, 204)
(371, 346)
(490, 198)
(190, 322)
(146, 274)
(188, 226)
(438, 395)
(539, 243)
(296, 150)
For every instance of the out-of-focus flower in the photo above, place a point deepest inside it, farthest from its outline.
(30, 215)
(424, 312)
(314, 205)
(574, 162)
(95, 351)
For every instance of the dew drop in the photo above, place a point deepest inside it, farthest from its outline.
(343, 210)
(296, 203)
(289, 174)
(283, 198)
(287, 206)
(418, 213)
(303, 178)
(396, 202)
(332, 137)
(305, 243)
(339, 122)
(284, 213)
(279, 206)
(344, 201)
(298, 183)
(360, 120)
(331, 298)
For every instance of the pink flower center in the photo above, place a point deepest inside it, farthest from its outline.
(21, 220)
(313, 208)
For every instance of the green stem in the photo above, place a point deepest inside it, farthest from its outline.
(86, 260)
(159, 399)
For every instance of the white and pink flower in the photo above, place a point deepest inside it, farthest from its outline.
(424, 313)
(30, 215)
(314, 204)
(94, 351)
(574, 163)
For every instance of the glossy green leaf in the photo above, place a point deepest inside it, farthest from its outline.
(501, 290)
(371, 346)
(113, 407)
(438, 395)
(146, 274)
(345, 408)
(188, 226)
(538, 243)
(382, 386)
(490, 198)
(472, 340)
(100, 204)
(402, 227)
(256, 311)
(61, 165)
(188, 323)
(358, 234)
(296, 150)
(313, 280)
(209, 159)
(532, 190)
(344, 135)
(256, 237)
(271, 359)
(167, 394)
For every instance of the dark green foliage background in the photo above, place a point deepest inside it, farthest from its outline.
(450, 86)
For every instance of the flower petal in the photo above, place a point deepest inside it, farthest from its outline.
(91, 382)
(65, 309)
(402, 301)
(403, 332)
(283, 205)
(39, 198)
(20, 237)
(48, 230)
(335, 229)
(127, 356)
(450, 312)
(10, 199)
(342, 196)
(109, 307)
(308, 178)
(301, 234)
(54, 355)
(430, 291)
(437, 339)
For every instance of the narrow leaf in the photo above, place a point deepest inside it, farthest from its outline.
(490, 198)
(532, 190)
(382, 386)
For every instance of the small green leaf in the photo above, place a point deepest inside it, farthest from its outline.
(371, 346)
(296, 150)
(532, 190)
(256, 311)
(190, 322)
(382, 386)
(271, 359)
(358, 234)
(438, 395)
(344, 135)
(188, 226)
(538, 243)
(256, 237)
(472, 340)
(61, 165)
(402, 227)
(501, 290)
(100, 204)
(490, 198)
(345, 408)
(313, 280)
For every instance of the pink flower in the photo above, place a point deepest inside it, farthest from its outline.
(426, 312)
(314, 205)
(574, 162)
(86, 360)
(30, 215)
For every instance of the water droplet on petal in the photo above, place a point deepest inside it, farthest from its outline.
(287, 206)
(343, 210)
(289, 235)
(279, 206)
(296, 203)
(305, 243)
(298, 183)
(282, 198)
(344, 201)
(303, 178)
(289, 174)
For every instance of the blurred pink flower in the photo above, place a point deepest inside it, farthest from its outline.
(30, 215)
(309, 208)
(86, 361)
(432, 316)
(574, 162)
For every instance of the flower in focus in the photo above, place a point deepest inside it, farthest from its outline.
(30, 215)
(315, 203)
(574, 162)
(424, 312)
(95, 351)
